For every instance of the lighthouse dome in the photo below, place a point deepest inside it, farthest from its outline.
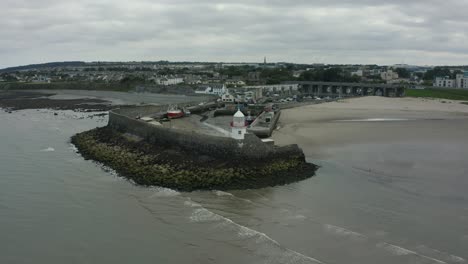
(239, 114)
(239, 119)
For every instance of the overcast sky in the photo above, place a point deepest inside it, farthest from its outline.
(424, 32)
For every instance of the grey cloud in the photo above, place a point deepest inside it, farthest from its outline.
(359, 31)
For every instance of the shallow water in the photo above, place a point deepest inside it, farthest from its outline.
(406, 204)
(120, 98)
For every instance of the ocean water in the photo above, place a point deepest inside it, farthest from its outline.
(361, 207)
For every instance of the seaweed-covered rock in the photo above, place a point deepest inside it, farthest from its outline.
(172, 167)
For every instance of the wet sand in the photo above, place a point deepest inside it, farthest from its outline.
(322, 127)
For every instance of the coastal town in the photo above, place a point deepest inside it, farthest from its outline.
(198, 75)
(247, 83)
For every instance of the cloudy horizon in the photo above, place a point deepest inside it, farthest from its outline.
(420, 32)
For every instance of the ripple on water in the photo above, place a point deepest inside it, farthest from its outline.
(264, 245)
(49, 149)
(163, 192)
(221, 193)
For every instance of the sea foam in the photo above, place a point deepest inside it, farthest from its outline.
(49, 149)
(163, 192)
(266, 246)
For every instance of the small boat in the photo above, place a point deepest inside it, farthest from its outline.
(174, 112)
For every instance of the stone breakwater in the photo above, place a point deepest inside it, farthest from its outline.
(186, 160)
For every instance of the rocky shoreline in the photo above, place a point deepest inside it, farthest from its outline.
(20, 100)
(149, 165)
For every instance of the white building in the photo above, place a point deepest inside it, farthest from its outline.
(41, 79)
(252, 92)
(213, 88)
(238, 127)
(170, 81)
(235, 83)
(462, 80)
(388, 75)
(227, 98)
(166, 81)
(297, 74)
(445, 82)
(359, 73)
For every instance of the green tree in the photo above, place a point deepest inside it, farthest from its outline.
(8, 77)
(437, 72)
(403, 73)
(334, 74)
(276, 75)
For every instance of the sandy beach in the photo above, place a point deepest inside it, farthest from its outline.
(323, 127)
(404, 104)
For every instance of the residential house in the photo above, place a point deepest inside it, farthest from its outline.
(212, 88)
(192, 79)
(389, 75)
(359, 73)
(41, 79)
(227, 98)
(462, 80)
(445, 82)
(166, 81)
(235, 82)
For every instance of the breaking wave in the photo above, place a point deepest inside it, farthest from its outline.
(374, 120)
(265, 245)
(49, 149)
(442, 255)
(73, 148)
(163, 192)
(394, 249)
(399, 251)
(221, 193)
(343, 231)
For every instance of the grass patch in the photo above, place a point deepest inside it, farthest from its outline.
(451, 94)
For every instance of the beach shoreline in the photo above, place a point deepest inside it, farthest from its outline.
(316, 128)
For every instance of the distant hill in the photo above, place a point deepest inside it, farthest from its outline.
(43, 65)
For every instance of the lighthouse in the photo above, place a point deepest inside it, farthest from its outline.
(238, 126)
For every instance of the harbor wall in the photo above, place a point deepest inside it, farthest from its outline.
(149, 110)
(264, 130)
(250, 149)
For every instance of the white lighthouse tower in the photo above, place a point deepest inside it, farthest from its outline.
(238, 126)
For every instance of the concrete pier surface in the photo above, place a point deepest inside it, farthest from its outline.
(193, 123)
